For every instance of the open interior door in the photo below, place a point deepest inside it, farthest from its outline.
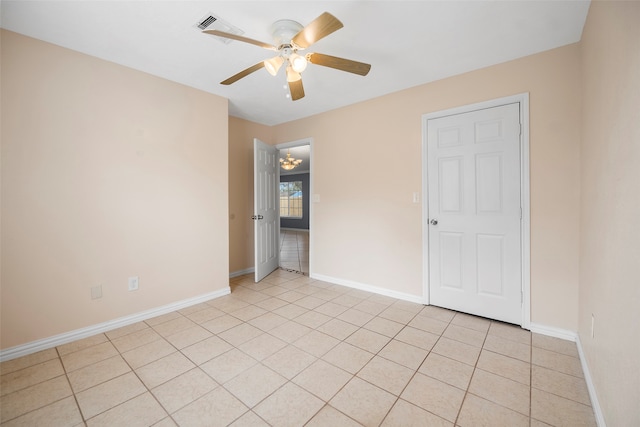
(266, 218)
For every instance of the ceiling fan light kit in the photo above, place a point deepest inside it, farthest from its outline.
(292, 75)
(273, 65)
(291, 37)
(298, 63)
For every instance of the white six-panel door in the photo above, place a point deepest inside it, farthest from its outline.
(265, 205)
(474, 212)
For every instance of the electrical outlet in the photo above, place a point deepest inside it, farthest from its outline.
(133, 283)
(96, 292)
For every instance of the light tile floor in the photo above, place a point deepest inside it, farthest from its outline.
(291, 351)
(294, 251)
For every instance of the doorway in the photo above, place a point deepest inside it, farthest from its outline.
(296, 207)
(294, 250)
(476, 213)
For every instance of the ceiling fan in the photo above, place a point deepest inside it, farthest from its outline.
(291, 38)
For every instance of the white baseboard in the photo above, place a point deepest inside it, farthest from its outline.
(595, 404)
(67, 337)
(573, 336)
(369, 288)
(551, 331)
(241, 272)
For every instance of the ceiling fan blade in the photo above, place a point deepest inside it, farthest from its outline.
(240, 38)
(342, 64)
(319, 28)
(243, 73)
(296, 89)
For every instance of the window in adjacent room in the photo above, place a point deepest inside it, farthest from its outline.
(291, 199)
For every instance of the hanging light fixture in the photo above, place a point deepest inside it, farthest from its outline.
(298, 63)
(292, 75)
(289, 163)
(273, 65)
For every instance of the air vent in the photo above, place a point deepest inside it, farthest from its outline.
(213, 22)
(204, 24)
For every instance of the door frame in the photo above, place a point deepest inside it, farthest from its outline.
(298, 143)
(525, 229)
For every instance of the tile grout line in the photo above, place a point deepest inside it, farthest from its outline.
(469, 384)
(75, 397)
(148, 390)
(416, 370)
(65, 374)
(482, 348)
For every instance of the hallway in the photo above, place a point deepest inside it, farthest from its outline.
(294, 250)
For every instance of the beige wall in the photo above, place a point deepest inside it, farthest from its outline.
(107, 173)
(367, 164)
(241, 134)
(610, 208)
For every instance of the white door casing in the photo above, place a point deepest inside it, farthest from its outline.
(474, 191)
(266, 177)
(298, 143)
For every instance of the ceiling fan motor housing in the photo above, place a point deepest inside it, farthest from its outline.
(283, 31)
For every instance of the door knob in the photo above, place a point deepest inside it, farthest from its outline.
(256, 217)
(434, 222)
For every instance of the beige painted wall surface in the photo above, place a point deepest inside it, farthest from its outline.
(241, 134)
(107, 173)
(367, 164)
(610, 211)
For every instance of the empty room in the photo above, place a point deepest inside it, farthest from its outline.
(320, 213)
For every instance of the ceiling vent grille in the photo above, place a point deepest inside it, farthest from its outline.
(204, 24)
(213, 22)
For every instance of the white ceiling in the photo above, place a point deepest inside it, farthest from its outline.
(408, 43)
